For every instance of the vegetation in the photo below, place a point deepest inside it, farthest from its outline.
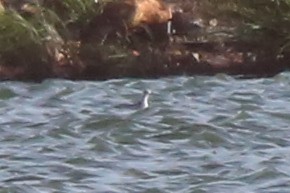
(258, 21)
(53, 33)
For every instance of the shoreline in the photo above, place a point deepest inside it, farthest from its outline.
(105, 48)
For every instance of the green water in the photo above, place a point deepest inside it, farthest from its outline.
(200, 135)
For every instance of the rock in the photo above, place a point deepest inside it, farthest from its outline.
(150, 12)
(120, 18)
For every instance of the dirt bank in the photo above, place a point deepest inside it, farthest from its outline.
(130, 38)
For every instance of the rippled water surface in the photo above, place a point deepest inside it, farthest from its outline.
(200, 135)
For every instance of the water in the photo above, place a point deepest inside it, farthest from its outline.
(200, 135)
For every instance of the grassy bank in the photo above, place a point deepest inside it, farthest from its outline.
(84, 39)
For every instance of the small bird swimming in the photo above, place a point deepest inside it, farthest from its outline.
(141, 104)
(144, 101)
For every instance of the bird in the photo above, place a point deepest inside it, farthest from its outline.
(143, 103)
